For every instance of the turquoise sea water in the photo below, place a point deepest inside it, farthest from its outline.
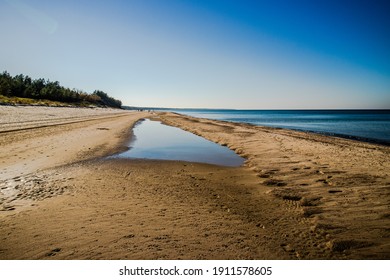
(364, 125)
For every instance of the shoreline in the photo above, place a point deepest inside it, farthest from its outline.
(332, 134)
(350, 137)
(298, 196)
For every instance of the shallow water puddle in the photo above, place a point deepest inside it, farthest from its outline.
(154, 140)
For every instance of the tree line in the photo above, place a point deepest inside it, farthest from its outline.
(23, 86)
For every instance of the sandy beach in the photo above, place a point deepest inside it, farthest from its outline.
(298, 195)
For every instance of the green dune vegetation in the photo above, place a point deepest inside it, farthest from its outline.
(22, 89)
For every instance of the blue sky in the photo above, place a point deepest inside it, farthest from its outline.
(206, 54)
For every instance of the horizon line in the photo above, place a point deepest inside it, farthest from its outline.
(232, 109)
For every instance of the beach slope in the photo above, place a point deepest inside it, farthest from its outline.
(340, 187)
(299, 195)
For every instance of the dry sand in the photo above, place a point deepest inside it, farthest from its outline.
(299, 195)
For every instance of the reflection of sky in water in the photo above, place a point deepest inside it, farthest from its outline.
(153, 140)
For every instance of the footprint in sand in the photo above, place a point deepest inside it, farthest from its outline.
(7, 208)
(277, 183)
(53, 252)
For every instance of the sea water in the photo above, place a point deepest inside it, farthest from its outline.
(364, 125)
(154, 140)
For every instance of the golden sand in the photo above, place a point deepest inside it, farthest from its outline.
(298, 196)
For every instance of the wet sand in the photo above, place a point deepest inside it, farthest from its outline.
(298, 196)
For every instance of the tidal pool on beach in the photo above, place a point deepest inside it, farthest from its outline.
(154, 140)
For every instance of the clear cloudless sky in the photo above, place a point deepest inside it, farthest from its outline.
(206, 54)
